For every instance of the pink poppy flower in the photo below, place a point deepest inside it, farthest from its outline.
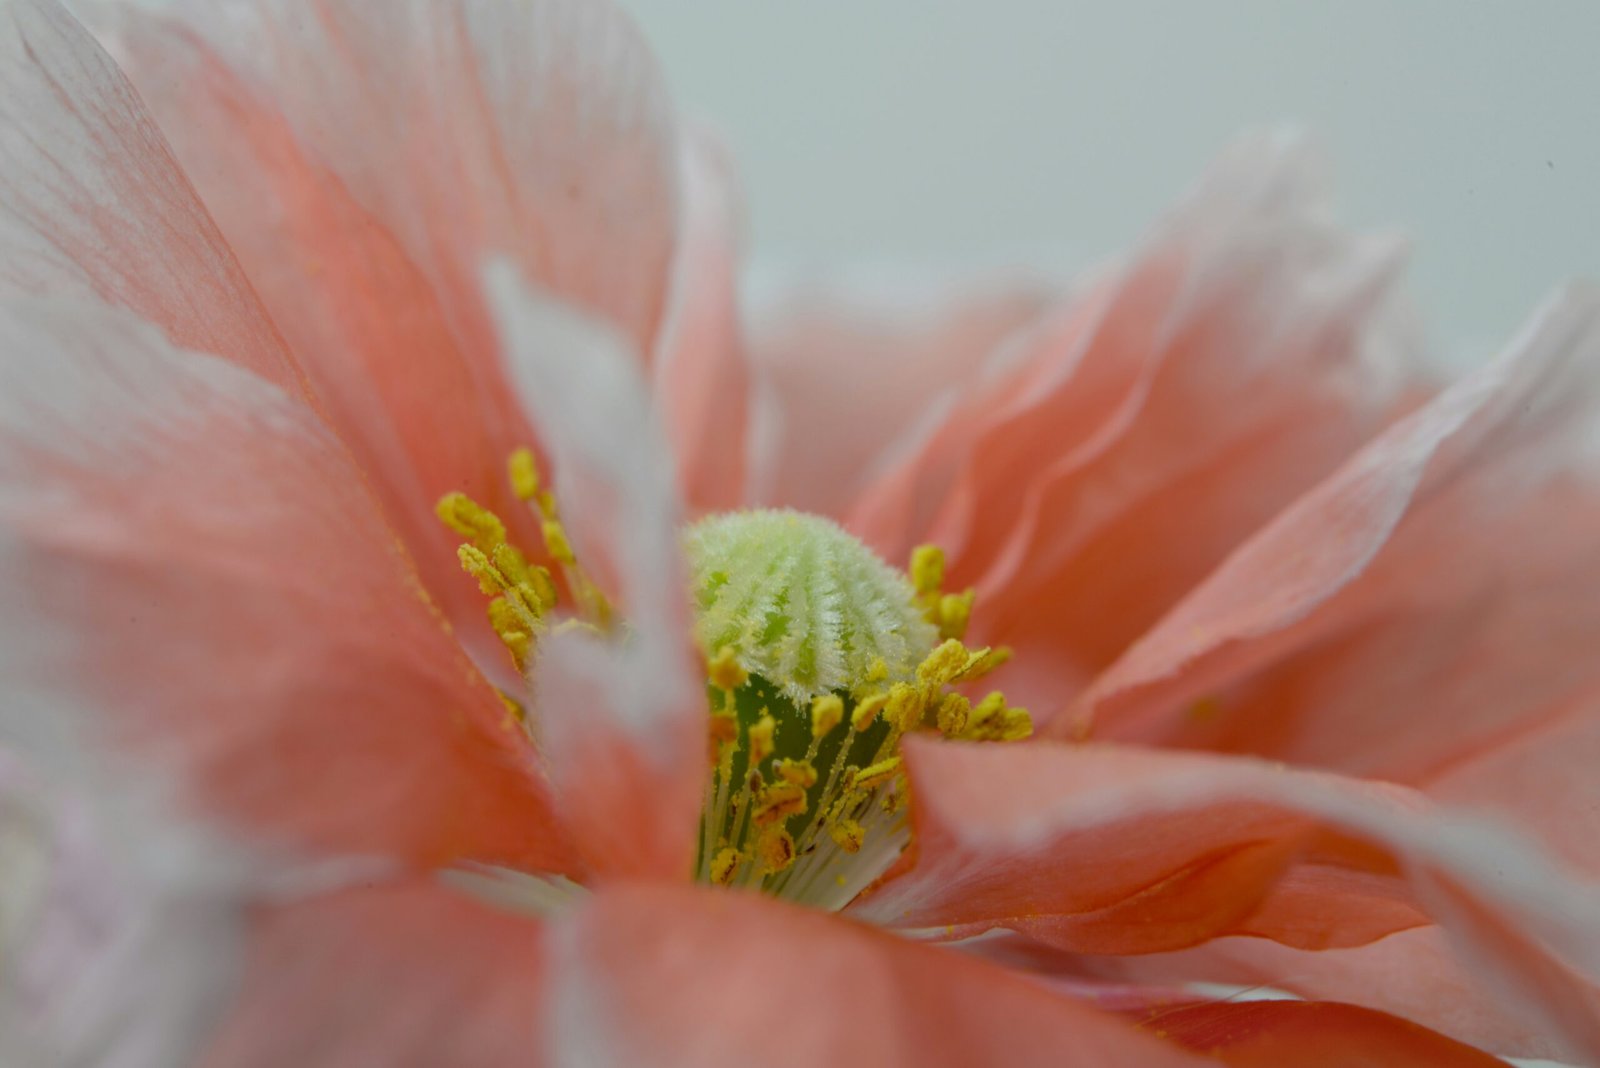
(682, 771)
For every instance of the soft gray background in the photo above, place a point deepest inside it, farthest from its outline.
(1051, 132)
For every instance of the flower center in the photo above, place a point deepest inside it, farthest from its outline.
(821, 658)
(825, 658)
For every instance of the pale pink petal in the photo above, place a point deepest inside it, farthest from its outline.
(1432, 598)
(1156, 420)
(195, 573)
(1104, 849)
(690, 976)
(853, 372)
(366, 159)
(699, 372)
(93, 203)
(1268, 1034)
(621, 718)
(401, 976)
(117, 935)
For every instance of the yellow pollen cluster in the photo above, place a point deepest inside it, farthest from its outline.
(797, 798)
(521, 593)
(950, 612)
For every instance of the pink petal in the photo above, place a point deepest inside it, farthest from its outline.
(403, 976)
(1538, 776)
(1432, 597)
(417, 975)
(1106, 850)
(851, 371)
(1150, 424)
(94, 205)
(1414, 974)
(196, 573)
(622, 718)
(690, 976)
(1149, 852)
(366, 160)
(699, 373)
(1268, 1034)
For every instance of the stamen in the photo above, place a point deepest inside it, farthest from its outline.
(950, 612)
(726, 865)
(522, 594)
(779, 801)
(775, 848)
(812, 633)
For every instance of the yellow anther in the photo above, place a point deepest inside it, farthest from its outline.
(984, 661)
(986, 713)
(724, 670)
(474, 563)
(471, 520)
(877, 671)
(775, 848)
(512, 564)
(544, 585)
(503, 573)
(827, 712)
(849, 835)
(875, 775)
(927, 568)
(903, 709)
(535, 597)
(567, 626)
(761, 741)
(955, 611)
(954, 713)
(593, 601)
(992, 721)
(725, 865)
(523, 473)
(724, 729)
(896, 799)
(867, 710)
(777, 802)
(555, 541)
(945, 664)
(514, 713)
(511, 624)
(1018, 725)
(796, 772)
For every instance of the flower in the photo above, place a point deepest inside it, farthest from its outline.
(335, 299)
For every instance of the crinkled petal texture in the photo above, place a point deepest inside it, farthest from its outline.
(1136, 433)
(93, 204)
(1416, 974)
(1102, 849)
(199, 574)
(417, 975)
(853, 372)
(1424, 615)
(364, 160)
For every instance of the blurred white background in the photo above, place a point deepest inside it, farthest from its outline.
(1051, 132)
